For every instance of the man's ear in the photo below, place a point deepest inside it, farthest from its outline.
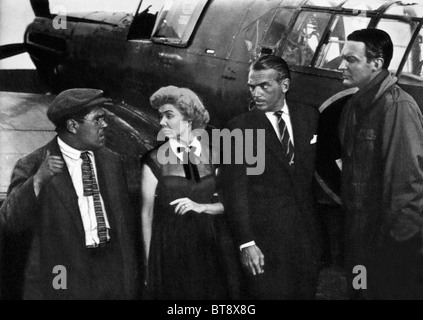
(72, 125)
(377, 64)
(285, 85)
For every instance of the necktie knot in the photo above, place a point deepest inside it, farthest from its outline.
(85, 156)
(187, 149)
(87, 174)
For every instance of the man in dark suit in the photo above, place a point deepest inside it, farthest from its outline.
(66, 218)
(273, 214)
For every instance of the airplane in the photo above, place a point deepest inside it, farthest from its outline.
(208, 45)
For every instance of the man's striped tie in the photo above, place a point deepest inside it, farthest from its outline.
(286, 141)
(91, 189)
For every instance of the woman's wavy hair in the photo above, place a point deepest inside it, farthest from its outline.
(186, 101)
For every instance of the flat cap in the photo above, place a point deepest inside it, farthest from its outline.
(73, 101)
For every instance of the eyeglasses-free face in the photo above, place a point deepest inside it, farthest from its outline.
(267, 92)
(173, 122)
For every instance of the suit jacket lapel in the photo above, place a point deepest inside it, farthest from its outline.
(298, 131)
(273, 144)
(63, 185)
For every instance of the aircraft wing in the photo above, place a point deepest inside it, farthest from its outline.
(24, 127)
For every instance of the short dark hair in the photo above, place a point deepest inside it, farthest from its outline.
(61, 126)
(378, 44)
(268, 62)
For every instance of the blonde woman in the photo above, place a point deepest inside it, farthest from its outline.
(187, 249)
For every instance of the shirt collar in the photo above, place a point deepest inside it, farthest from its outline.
(70, 152)
(285, 110)
(174, 145)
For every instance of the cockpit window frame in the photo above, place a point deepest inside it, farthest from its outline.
(184, 39)
(375, 17)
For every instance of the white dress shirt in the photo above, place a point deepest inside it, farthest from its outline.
(274, 120)
(73, 162)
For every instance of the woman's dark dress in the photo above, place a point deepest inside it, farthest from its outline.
(191, 256)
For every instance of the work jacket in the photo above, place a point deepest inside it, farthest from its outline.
(381, 131)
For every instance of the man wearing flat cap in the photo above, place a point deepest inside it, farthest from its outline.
(67, 211)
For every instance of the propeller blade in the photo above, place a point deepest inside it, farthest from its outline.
(11, 50)
(41, 8)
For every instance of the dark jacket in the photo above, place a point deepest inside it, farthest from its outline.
(381, 131)
(47, 231)
(276, 209)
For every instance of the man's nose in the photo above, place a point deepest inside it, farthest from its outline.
(256, 92)
(104, 124)
(163, 122)
(343, 65)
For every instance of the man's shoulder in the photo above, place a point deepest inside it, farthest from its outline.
(106, 153)
(306, 116)
(305, 109)
(397, 97)
(399, 94)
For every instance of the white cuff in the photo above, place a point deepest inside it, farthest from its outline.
(246, 245)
